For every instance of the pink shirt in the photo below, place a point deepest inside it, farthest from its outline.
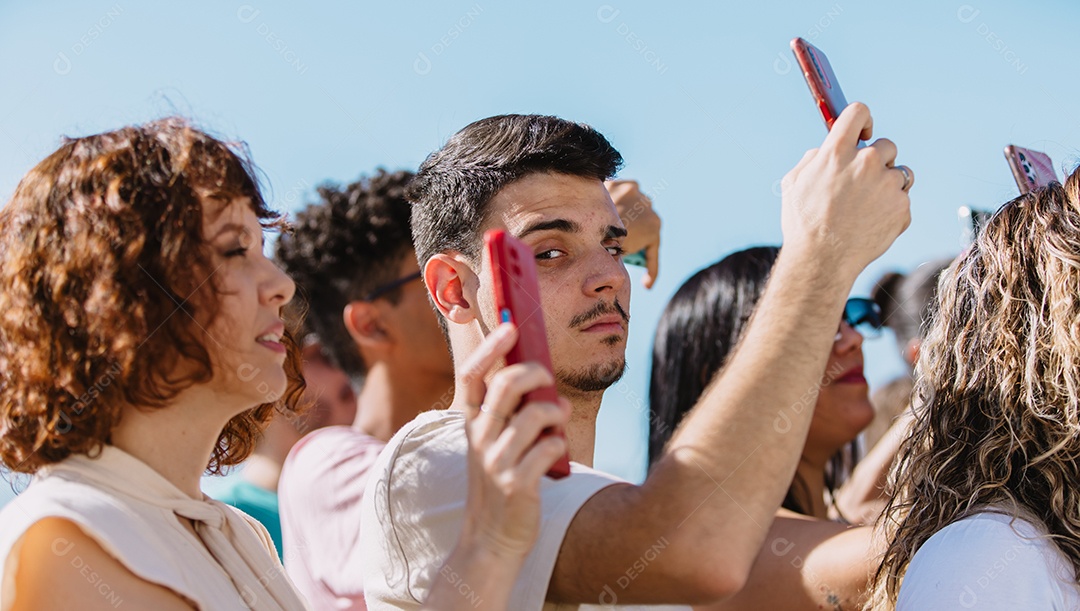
(322, 484)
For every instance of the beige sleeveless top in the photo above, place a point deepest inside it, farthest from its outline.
(131, 511)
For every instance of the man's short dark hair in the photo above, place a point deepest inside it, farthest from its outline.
(454, 185)
(341, 248)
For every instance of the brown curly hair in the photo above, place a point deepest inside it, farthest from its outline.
(102, 247)
(997, 396)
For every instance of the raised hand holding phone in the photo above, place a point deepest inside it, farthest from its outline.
(517, 298)
(844, 206)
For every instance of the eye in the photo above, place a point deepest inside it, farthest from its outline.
(236, 252)
(616, 250)
(547, 255)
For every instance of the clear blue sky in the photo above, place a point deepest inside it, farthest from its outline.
(702, 100)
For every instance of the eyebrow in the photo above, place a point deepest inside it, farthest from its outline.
(568, 226)
(563, 225)
(237, 228)
(614, 232)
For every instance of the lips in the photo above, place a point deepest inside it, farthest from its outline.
(611, 323)
(851, 376)
(271, 338)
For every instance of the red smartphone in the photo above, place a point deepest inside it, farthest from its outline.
(517, 297)
(1031, 169)
(822, 81)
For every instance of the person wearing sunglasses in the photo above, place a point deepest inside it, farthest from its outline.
(698, 331)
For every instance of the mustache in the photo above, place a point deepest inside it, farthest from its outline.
(601, 308)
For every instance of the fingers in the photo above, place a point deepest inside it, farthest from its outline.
(845, 205)
(907, 175)
(524, 431)
(494, 347)
(793, 174)
(853, 124)
(652, 265)
(505, 393)
(886, 150)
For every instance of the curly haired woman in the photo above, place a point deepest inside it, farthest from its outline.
(987, 508)
(142, 344)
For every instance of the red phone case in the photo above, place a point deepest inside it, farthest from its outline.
(517, 297)
(824, 87)
(1031, 169)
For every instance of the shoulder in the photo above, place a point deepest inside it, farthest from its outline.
(412, 508)
(333, 443)
(433, 441)
(59, 497)
(56, 565)
(986, 557)
(327, 462)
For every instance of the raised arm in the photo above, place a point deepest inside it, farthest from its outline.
(691, 532)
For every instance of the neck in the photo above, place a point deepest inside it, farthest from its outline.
(262, 471)
(812, 473)
(176, 441)
(392, 396)
(581, 430)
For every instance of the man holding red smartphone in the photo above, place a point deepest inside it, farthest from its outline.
(691, 532)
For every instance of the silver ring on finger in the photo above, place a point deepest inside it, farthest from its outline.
(484, 409)
(907, 177)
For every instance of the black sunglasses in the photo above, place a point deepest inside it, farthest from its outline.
(863, 315)
(386, 288)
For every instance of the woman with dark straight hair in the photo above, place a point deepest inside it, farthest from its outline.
(698, 332)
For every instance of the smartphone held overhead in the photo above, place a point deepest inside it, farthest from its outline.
(1031, 169)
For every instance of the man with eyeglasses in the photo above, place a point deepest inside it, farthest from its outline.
(352, 258)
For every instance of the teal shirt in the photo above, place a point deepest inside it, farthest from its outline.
(258, 503)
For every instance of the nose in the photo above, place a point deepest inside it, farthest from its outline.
(277, 288)
(607, 275)
(847, 339)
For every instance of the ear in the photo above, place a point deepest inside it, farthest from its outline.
(364, 324)
(911, 351)
(452, 285)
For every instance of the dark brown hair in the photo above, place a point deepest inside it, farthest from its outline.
(340, 249)
(103, 259)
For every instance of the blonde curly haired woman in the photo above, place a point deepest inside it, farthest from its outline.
(987, 509)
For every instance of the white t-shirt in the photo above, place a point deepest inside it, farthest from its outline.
(416, 496)
(989, 561)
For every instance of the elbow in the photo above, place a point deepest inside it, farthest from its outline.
(722, 584)
(711, 582)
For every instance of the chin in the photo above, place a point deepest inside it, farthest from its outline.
(593, 377)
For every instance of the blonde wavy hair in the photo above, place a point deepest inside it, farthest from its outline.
(997, 396)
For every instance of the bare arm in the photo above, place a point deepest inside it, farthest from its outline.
(808, 565)
(863, 497)
(692, 531)
(60, 567)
